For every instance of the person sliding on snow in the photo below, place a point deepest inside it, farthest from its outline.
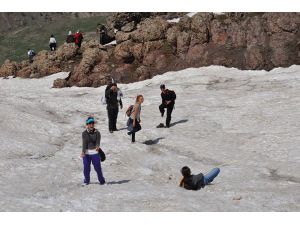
(134, 119)
(168, 101)
(112, 101)
(196, 182)
(90, 151)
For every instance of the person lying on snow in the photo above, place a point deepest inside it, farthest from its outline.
(196, 182)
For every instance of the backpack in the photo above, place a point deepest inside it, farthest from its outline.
(129, 110)
(173, 94)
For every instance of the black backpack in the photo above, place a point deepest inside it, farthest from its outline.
(173, 94)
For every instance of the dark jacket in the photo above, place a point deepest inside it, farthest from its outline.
(193, 182)
(70, 38)
(168, 96)
(112, 98)
(90, 140)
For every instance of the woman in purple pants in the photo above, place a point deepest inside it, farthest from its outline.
(90, 151)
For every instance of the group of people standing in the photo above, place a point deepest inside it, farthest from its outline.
(91, 137)
(113, 99)
(76, 38)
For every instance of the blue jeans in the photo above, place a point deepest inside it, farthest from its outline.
(95, 159)
(208, 178)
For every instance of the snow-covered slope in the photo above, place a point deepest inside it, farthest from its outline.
(246, 120)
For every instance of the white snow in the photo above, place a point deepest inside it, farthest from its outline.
(218, 13)
(111, 43)
(175, 20)
(246, 120)
(191, 14)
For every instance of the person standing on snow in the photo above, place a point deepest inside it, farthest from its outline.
(168, 101)
(78, 37)
(90, 151)
(196, 182)
(134, 120)
(112, 101)
(52, 43)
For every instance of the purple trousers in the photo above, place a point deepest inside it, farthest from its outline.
(95, 159)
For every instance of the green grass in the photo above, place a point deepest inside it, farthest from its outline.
(14, 45)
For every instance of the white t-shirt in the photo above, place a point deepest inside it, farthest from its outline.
(52, 40)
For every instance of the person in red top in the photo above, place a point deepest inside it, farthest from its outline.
(78, 38)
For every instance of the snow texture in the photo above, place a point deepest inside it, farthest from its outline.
(246, 121)
(191, 14)
(175, 20)
(111, 43)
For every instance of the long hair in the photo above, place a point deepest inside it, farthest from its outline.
(138, 98)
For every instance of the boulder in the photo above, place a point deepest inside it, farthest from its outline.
(128, 27)
(151, 30)
(122, 36)
(9, 68)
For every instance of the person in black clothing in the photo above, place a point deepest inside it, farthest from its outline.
(111, 95)
(196, 182)
(101, 29)
(168, 101)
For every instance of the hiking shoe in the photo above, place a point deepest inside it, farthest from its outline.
(85, 184)
(111, 131)
(129, 133)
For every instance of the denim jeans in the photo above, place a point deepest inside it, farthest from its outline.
(208, 178)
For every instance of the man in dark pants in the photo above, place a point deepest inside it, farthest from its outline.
(168, 101)
(111, 95)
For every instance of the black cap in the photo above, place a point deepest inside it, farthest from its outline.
(162, 86)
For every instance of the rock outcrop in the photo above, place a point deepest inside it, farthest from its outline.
(148, 44)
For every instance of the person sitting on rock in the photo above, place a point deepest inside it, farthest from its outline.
(70, 37)
(52, 43)
(196, 182)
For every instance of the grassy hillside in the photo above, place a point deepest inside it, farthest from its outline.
(14, 44)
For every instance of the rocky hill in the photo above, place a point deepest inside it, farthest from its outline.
(152, 43)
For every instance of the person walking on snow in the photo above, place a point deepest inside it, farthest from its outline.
(78, 37)
(196, 182)
(90, 151)
(168, 101)
(112, 101)
(134, 120)
(52, 43)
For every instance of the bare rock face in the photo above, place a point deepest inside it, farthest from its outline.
(151, 30)
(9, 68)
(147, 44)
(122, 36)
(59, 83)
(128, 27)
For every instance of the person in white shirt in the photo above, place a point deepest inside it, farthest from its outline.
(52, 43)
